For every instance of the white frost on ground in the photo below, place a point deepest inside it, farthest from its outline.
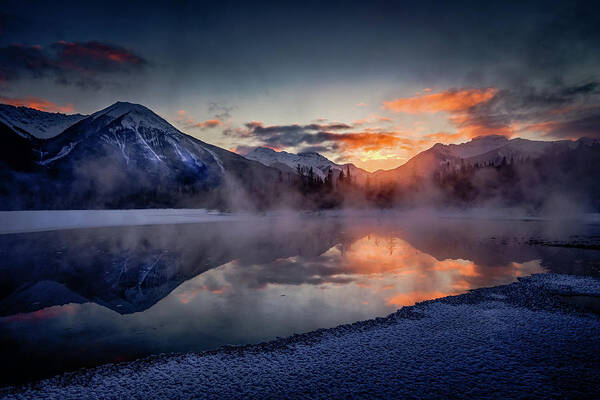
(512, 341)
(45, 220)
(566, 284)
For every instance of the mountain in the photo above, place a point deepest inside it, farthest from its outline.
(477, 145)
(288, 163)
(126, 156)
(480, 150)
(39, 124)
(549, 176)
(122, 156)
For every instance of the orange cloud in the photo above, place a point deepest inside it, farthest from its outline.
(459, 104)
(372, 119)
(38, 104)
(450, 101)
(184, 118)
(209, 123)
(367, 141)
(445, 138)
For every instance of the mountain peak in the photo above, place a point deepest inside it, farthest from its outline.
(477, 145)
(121, 108)
(133, 116)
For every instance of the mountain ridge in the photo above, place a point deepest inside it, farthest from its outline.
(125, 155)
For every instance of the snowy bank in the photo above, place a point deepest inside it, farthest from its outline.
(517, 340)
(49, 220)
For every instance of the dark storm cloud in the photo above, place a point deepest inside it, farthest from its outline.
(314, 149)
(67, 62)
(260, 130)
(242, 49)
(588, 126)
(556, 112)
(310, 136)
(564, 43)
(291, 135)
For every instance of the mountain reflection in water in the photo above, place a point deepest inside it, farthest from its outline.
(83, 297)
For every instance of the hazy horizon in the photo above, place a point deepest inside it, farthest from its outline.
(371, 84)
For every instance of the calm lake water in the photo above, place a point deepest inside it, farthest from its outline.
(82, 297)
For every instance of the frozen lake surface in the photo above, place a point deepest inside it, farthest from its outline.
(189, 280)
(35, 221)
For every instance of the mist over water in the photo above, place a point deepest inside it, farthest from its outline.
(108, 294)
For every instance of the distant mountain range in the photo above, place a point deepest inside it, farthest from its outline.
(126, 156)
(482, 150)
(289, 162)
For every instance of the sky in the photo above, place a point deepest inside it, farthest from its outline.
(372, 83)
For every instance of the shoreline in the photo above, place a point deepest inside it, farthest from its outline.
(31, 221)
(499, 341)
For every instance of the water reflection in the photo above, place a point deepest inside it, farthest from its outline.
(82, 297)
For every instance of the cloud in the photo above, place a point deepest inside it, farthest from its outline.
(314, 149)
(220, 111)
(80, 63)
(93, 57)
(558, 112)
(190, 122)
(320, 137)
(221, 115)
(209, 123)
(570, 129)
(38, 104)
(372, 118)
(449, 101)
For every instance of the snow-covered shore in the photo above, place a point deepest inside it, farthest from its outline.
(527, 339)
(49, 220)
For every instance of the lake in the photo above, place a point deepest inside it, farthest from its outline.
(85, 296)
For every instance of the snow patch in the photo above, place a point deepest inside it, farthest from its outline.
(63, 152)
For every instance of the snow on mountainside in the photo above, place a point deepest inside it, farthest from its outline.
(477, 145)
(135, 133)
(492, 149)
(271, 157)
(125, 156)
(483, 150)
(39, 124)
(288, 162)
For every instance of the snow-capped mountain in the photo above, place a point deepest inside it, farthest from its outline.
(127, 156)
(124, 154)
(288, 162)
(39, 124)
(313, 160)
(137, 138)
(477, 145)
(482, 150)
